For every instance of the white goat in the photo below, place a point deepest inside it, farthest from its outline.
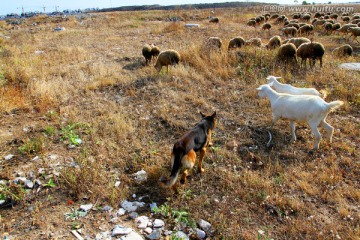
(300, 108)
(287, 88)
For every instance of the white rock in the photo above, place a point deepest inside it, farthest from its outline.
(156, 234)
(3, 201)
(351, 66)
(152, 206)
(86, 207)
(117, 184)
(120, 230)
(158, 223)
(132, 236)
(142, 222)
(121, 212)
(204, 225)
(131, 206)
(103, 236)
(140, 176)
(147, 230)
(9, 157)
(181, 235)
(133, 215)
(200, 233)
(29, 184)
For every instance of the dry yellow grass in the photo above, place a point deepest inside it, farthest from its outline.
(93, 74)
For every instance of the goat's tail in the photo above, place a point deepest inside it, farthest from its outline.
(335, 104)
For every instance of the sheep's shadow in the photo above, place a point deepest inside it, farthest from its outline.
(131, 63)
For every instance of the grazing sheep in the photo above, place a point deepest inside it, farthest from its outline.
(346, 19)
(295, 25)
(286, 54)
(327, 27)
(146, 52)
(298, 41)
(354, 32)
(306, 29)
(336, 26)
(343, 51)
(266, 26)
(214, 43)
(149, 52)
(300, 108)
(155, 51)
(236, 42)
(355, 21)
(311, 50)
(289, 31)
(306, 17)
(344, 28)
(166, 58)
(334, 16)
(287, 88)
(274, 16)
(251, 23)
(253, 42)
(318, 22)
(214, 20)
(274, 42)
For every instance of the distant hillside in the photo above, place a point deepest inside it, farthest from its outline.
(183, 6)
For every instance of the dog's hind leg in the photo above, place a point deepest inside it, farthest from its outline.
(188, 162)
(201, 158)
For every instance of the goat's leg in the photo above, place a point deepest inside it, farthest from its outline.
(293, 135)
(317, 135)
(329, 130)
(201, 158)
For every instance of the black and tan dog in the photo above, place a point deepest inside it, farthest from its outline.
(183, 155)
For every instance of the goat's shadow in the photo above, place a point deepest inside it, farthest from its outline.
(132, 63)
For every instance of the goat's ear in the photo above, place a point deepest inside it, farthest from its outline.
(277, 77)
(202, 115)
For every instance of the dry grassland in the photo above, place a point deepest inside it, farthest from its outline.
(90, 82)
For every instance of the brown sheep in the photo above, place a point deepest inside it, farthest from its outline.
(344, 28)
(266, 26)
(214, 43)
(306, 17)
(311, 50)
(295, 25)
(253, 42)
(336, 26)
(274, 42)
(236, 42)
(166, 58)
(289, 31)
(146, 52)
(343, 51)
(306, 29)
(346, 19)
(286, 54)
(328, 27)
(354, 32)
(298, 41)
(251, 23)
(214, 20)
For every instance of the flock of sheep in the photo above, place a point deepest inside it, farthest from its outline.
(295, 104)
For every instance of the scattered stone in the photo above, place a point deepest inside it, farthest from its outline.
(133, 215)
(131, 206)
(142, 221)
(86, 207)
(106, 209)
(3, 182)
(121, 212)
(158, 223)
(38, 182)
(350, 66)
(29, 184)
(147, 230)
(20, 174)
(167, 233)
(2, 202)
(36, 158)
(181, 235)
(204, 225)
(103, 236)
(153, 206)
(59, 29)
(117, 184)
(156, 234)
(120, 230)
(20, 180)
(192, 25)
(39, 52)
(132, 236)
(114, 220)
(9, 157)
(140, 176)
(200, 233)
(71, 146)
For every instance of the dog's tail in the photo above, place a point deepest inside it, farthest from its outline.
(176, 166)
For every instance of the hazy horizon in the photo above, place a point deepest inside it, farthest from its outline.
(16, 6)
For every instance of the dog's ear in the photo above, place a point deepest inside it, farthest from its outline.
(214, 114)
(202, 115)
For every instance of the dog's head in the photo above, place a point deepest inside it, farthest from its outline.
(211, 119)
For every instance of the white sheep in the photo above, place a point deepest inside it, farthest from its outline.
(287, 88)
(300, 108)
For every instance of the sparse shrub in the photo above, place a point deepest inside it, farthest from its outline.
(32, 146)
